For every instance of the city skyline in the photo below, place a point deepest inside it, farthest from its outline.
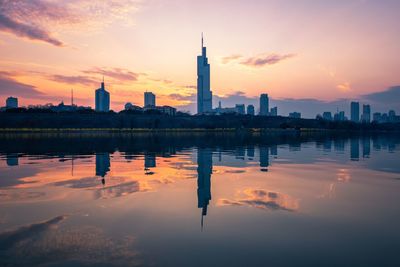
(298, 75)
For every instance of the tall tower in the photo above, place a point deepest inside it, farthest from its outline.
(355, 111)
(102, 99)
(204, 94)
(264, 105)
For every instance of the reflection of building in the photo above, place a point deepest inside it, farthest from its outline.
(250, 152)
(204, 94)
(264, 158)
(102, 164)
(12, 159)
(354, 149)
(204, 171)
(149, 160)
(274, 150)
(366, 143)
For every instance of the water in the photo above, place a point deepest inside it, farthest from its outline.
(199, 200)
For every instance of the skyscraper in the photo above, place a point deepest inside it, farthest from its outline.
(366, 115)
(102, 99)
(204, 94)
(355, 111)
(240, 109)
(264, 105)
(274, 111)
(149, 99)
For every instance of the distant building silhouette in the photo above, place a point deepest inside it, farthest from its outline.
(264, 105)
(339, 116)
(204, 171)
(204, 94)
(274, 111)
(149, 99)
(327, 115)
(355, 111)
(102, 99)
(240, 109)
(295, 115)
(366, 115)
(250, 110)
(102, 164)
(12, 102)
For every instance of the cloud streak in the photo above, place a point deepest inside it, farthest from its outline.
(256, 61)
(79, 79)
(10, 86)
(119, 74)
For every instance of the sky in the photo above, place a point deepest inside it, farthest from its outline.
(308, 55)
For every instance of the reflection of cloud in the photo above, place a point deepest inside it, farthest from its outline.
(10, 238)
(262, 199)
(8, 195)
(257, 61)
(120, 190)
(83, 246)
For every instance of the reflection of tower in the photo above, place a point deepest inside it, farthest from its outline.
(12, 159)
(264, 158)
(240, 153)
(149, 160)
(250, 152)
(354, 149)
(102, 164)
(204, 171)
(274, 150)
(366, 142)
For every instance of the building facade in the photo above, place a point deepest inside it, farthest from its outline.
(264, 105)
(12, 102)
(250, 110)
(240, 109)
(355, 111)
(366, 115)
(149, 99)
(102, 99)
(274, 111)
(204, 94)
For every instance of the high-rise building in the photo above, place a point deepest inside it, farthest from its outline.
(102, 99)
(240, 109)
(366, 115)
(12, 102)
(264, 105)
(250, 110)
(149, 99)
(355, 111)
(295, 115)
(274, 111)
(204, 94)
(327, 115)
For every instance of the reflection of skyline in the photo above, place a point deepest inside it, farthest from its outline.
(204, 171)
(264, 158)
(102, 164)
(354, 149)
(12, 159)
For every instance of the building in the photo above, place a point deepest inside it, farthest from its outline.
(392, 116)
(377, 116)
(102, 99)
(339, 116)
(327, 115)
(149, 99)
(366, 115)
(264, 105)
(295, 115)
(12, 102)
(240, 109)
(250, 110)
(355, 111)
(204, 172)
(274, 111)
(204, 94)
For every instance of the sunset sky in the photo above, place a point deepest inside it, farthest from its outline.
(308, 55)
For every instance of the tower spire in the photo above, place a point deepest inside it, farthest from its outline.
(202, 40)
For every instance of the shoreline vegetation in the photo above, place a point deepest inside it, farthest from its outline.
(143, 123)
